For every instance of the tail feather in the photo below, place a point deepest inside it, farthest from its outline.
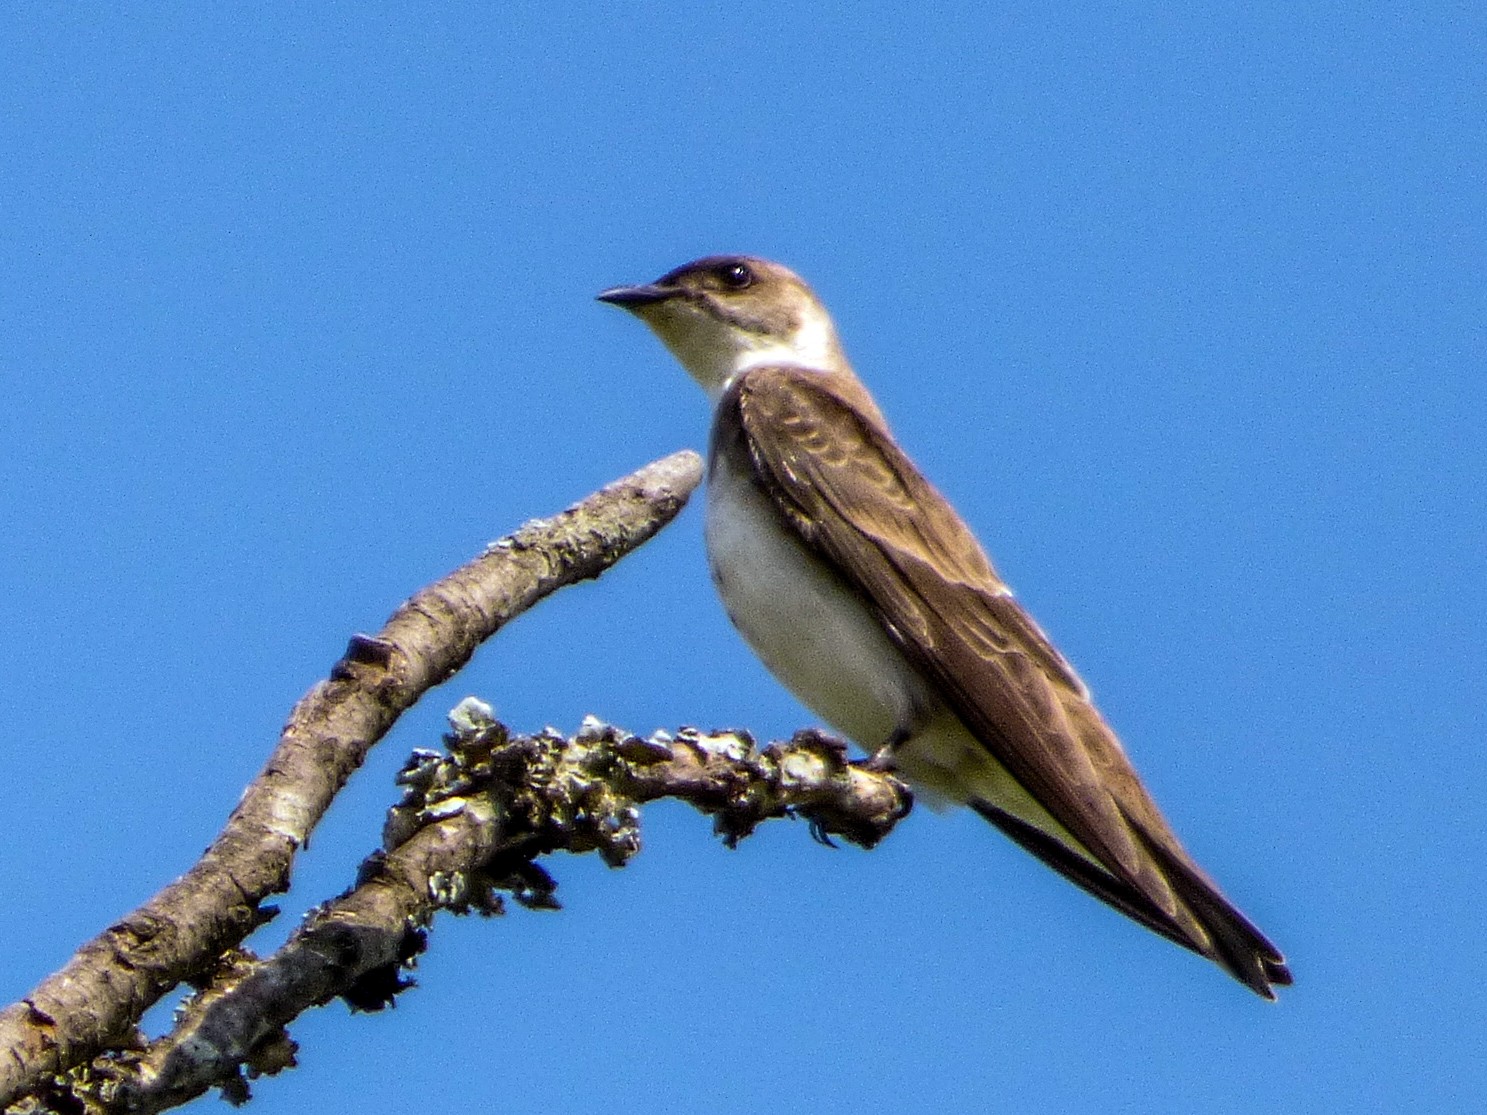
(1217, 932)
(1082, 873)
(1238, 943)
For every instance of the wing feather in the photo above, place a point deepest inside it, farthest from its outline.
(852, 494)
(928, 578)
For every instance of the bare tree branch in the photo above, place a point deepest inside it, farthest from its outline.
(469, 826)
(94, 1001)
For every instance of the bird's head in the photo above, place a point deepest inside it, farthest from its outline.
(725, 314)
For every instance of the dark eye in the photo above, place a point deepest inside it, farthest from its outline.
(735, 276)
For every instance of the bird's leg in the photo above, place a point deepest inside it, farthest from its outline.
(882, 761)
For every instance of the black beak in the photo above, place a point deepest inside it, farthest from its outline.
(632, 296)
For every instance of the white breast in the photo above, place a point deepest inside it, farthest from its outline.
(821, 641)
(813, 634)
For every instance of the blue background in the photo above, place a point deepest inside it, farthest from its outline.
(1183, 308)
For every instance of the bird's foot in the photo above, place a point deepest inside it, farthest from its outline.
(884, 760)
(819, 833)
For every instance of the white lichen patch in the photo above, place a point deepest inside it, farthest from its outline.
(799, 768)
(471, 716)
(732, 746)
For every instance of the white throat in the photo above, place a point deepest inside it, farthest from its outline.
(812, 345)
(714, 354)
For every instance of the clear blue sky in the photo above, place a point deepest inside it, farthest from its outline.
(1184, 310)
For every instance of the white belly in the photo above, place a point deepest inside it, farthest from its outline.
(821, 641)
(813, 634)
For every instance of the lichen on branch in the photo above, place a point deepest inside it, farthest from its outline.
(91, 1004)
(472, 824)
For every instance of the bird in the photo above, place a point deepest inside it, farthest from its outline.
(864, 592)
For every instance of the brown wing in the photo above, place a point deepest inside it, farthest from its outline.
(852, 494)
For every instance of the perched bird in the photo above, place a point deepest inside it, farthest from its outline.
(862, 591)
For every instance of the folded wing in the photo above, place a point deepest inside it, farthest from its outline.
(851, 493)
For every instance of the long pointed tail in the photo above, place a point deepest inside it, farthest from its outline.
(1232, 941)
